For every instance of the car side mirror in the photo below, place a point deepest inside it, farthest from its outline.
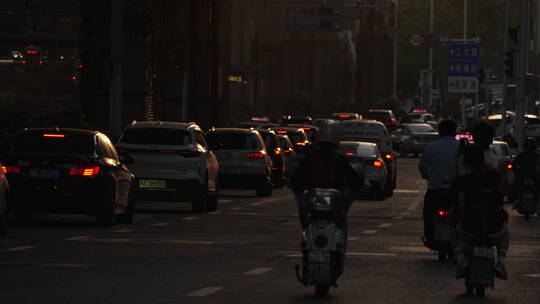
(127, 159)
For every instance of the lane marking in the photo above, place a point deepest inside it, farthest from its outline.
(369, 231)
(123, 230)
(76, 238)
(265, 201)
(214, 212)
(385, 225)
(159, 224)
(532, 275)
(189, 218)
(19, 248)
(349, 254)
(258, 271)
(225, 201)
(353, 238)
(205, 291)
(405, 213)
(146, 241)
(399, 217)
(406, 191)
(237, 208)
(410, 249)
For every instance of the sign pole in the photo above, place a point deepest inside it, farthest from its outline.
(464, 112)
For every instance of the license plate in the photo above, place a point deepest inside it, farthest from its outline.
(319, 257)
(484, 252)
(44, 174)
(153, 183)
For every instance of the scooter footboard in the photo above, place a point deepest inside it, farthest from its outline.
(321, 267)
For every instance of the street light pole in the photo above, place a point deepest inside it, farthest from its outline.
(395, 68)
(519, 134)
(430, 79)
(505, 79)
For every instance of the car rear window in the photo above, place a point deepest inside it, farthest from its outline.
(379, 116)
(54, 142)
(270, 140)
(233, 141)
(156, 136)
(358, 150)
(421, 128)
(296, 137)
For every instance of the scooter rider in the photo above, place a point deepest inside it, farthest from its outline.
(435, 166)
(324, 167)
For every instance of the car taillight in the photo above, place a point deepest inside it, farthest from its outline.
(88, 172)
(378, 163)
(287, 151)
(51, 135)
(24, 62)
(301, 144)
(11, 169)
(344, 116)
(306, 128)
(282, 132)
(392, 122)
(443, 213)
(350, 154)
(388, 156)
(509, 167)
(255, 155)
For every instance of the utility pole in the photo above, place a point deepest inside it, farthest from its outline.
(115, 85)
(430, 77)
(522, 72)
(395, 67)
(463, 106)
(504, 79)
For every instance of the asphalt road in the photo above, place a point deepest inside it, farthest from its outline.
(245, 253)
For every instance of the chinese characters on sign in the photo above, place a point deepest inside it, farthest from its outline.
(463, 68)
(315, 19)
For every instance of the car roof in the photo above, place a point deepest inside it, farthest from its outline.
(163, 124)
(380, 110)
(371, 121)
(233, 130)
(60, 130)
(357, 143)
(499, 142)
(288, 129)
(415, 124)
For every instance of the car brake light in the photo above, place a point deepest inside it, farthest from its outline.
(24, 62)
(305, 128)
(350, 154)
(378, 163)
(282, 132)
(88, 172)
(391, 123)
(54, 135)
(255, 155)
(344, 116)
(11, 169)
(509, 166)
(41, 62)
(301, 144)
(443, 213)
(388, 156)
(277, 151)
(287, 151)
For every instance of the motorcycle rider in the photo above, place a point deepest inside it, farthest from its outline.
(435, 166)
(324, 167)
(480, 179)
(527, 166)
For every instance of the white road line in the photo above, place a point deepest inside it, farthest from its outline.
(353, 238)
(369, 231)
(406, 191)
(189, 218)
(204, 292)
(237, 208)
(123, 230)
(398, 217)
(159, 224)
(532, 275)
(76, 238)
(385, 225)
(265, 201)
(225, 201)
(214, 212)
(258, 271)
(405, 213)
(19, 248)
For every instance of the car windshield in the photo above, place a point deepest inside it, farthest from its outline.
(379, 116)
(156, 136)
(54, 142)
(358, 150)
(233, 141)
(421, 128)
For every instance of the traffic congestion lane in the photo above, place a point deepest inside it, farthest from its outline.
(251, 258)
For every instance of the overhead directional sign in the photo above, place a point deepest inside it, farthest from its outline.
(463, 67)
(315, 18)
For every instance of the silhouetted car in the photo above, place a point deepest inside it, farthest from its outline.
(295, 119)
(56, 170)
(385, 116)
(297, 136)
(4, 192)
(275, 151)
(413, 138)
(346, 116)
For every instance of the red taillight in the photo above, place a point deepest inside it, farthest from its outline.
(344, 116)
(301, 144)
(509, 166)
(391, 123)
(378, 163)
(388, 156)
(32, 52)
(4, 169)
(41, 62)
(282, 132)
(88, 172)
(277, 151)
(305, 128)
(350, 154)
(443, 213)
(73, 77)
(54, 135)
(23, 62)
(287, 151)
(11, 169)
(255, 155)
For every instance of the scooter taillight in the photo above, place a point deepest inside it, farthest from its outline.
(443, 213)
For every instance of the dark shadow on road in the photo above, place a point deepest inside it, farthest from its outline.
(464, 298)
(313, 299)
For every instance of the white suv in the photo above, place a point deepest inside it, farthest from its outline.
(172, 161)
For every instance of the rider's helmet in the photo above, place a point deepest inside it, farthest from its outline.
(328, 134)
(530, 144)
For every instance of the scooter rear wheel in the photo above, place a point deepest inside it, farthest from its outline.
(321, 290)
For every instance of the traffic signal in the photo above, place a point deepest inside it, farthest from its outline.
(509, 64)
(513, 33)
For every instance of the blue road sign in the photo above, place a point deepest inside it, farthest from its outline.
(463, 60)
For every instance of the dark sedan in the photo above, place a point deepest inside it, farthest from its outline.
(413, 138)
(67, 171)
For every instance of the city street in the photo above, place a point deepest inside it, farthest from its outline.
(245, 253)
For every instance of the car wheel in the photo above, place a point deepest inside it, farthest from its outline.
(212, 203)
(200, 203)
(105, 215)
(127, 217)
